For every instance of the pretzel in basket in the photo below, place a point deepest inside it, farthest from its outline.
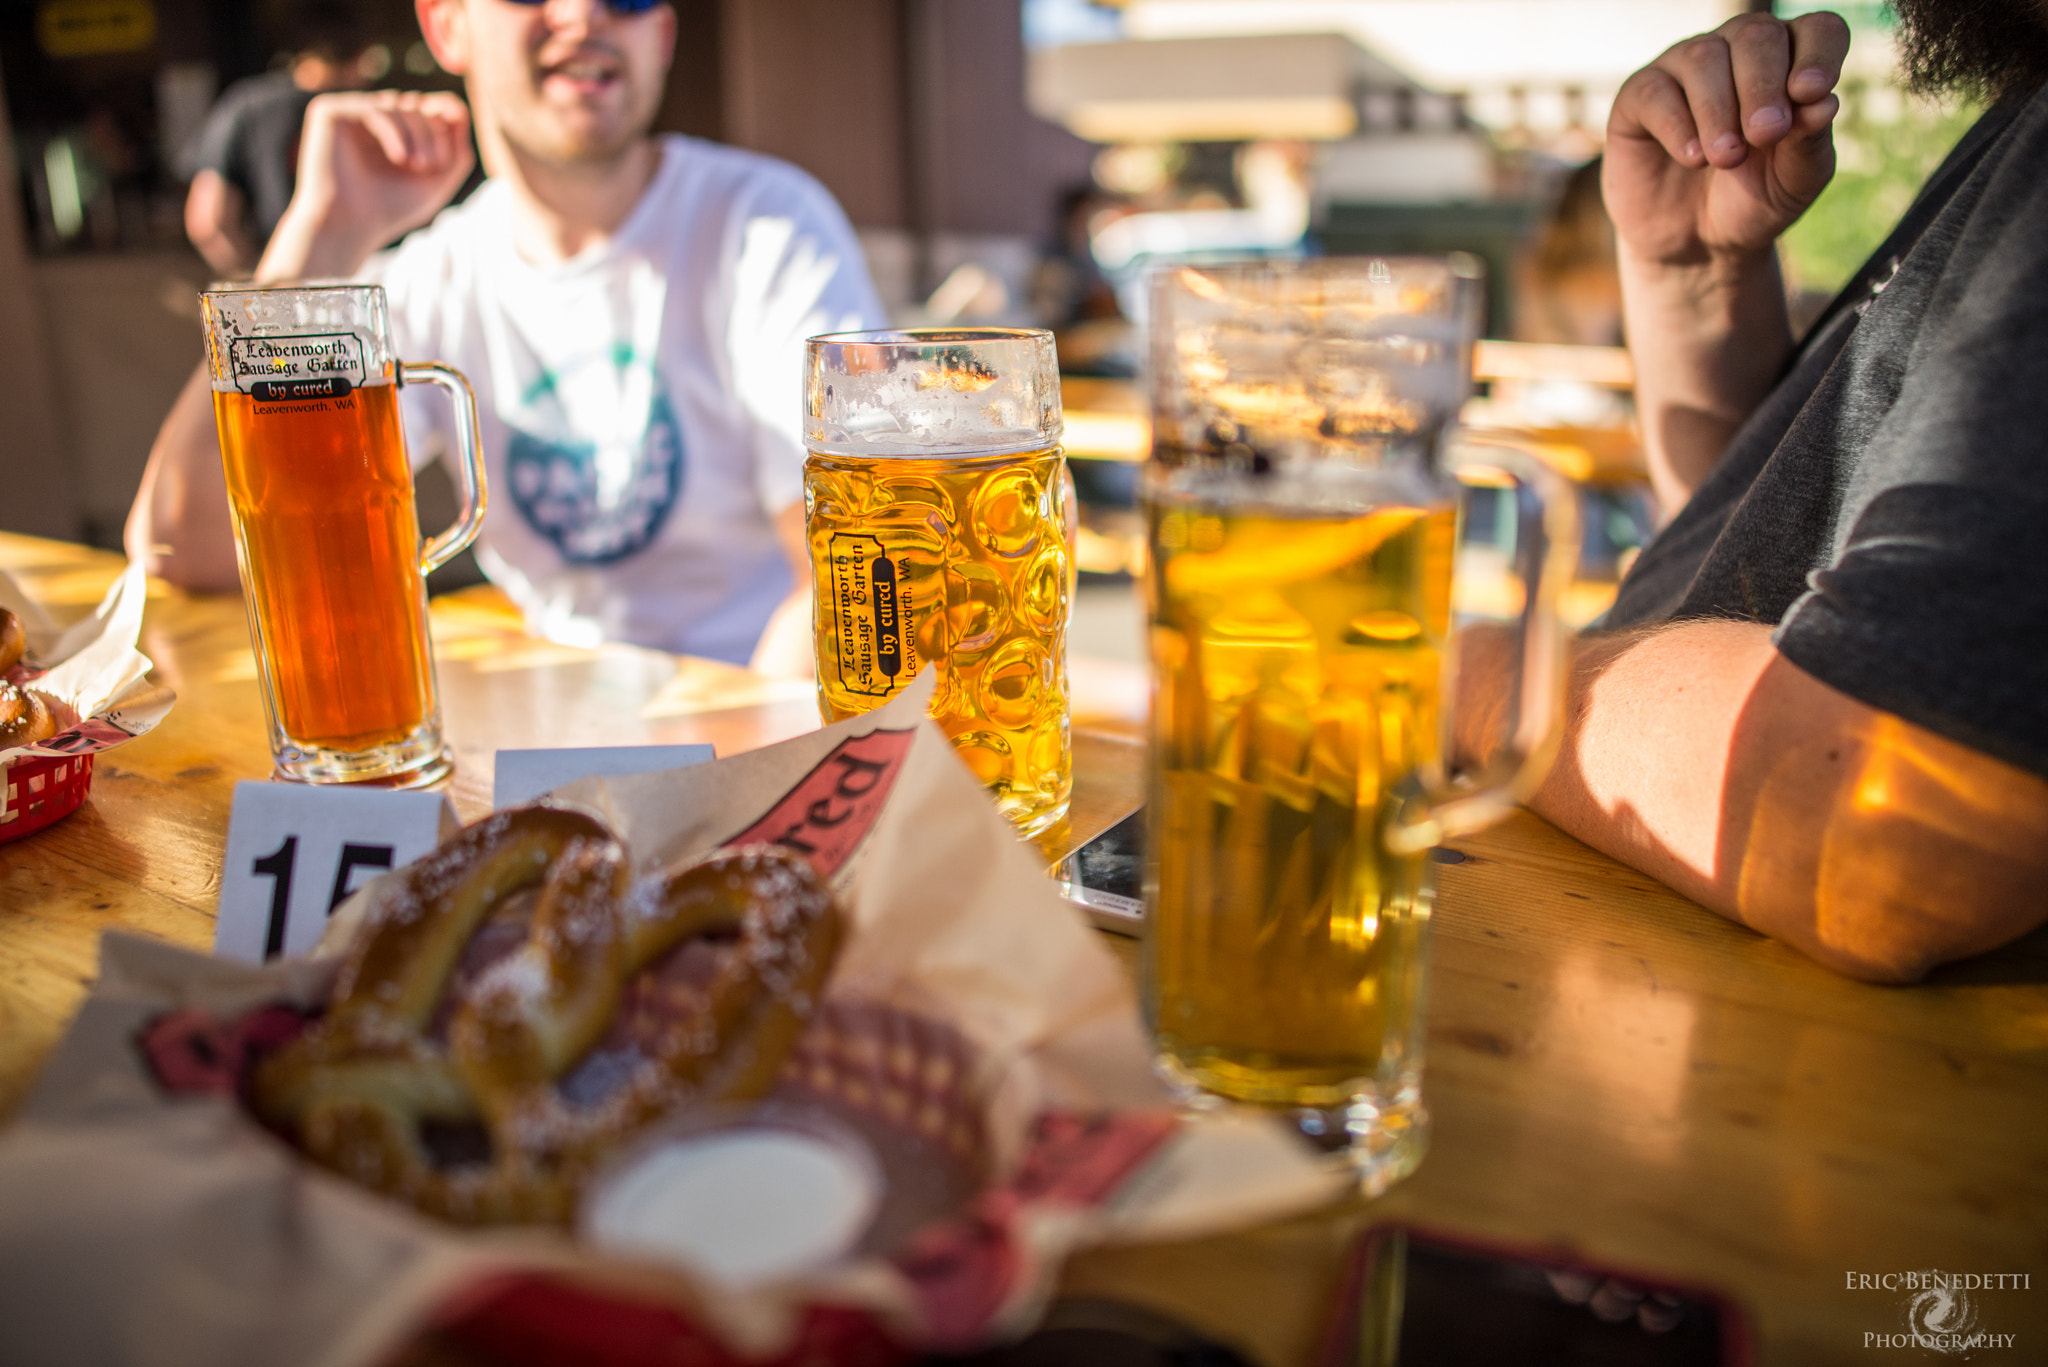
(13, 640)
(24, 716)
(362, 1091)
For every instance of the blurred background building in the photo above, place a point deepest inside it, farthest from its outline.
(1017, 161)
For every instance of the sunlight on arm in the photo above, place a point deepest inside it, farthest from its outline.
(1921, 850)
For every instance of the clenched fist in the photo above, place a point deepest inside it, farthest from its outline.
(372, 165)
(1721, 143)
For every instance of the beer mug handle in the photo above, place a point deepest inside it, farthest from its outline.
(1546, 556)
(469, 470)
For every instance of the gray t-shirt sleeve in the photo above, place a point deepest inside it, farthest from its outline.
(1934, 605)
(213, 147)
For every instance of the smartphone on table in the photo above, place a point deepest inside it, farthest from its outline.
(1106, 877)
(1424, 1298)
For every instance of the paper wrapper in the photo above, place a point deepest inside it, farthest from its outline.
(138, 1225)
(91, 672)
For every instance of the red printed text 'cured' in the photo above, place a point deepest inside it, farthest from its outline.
(830, 810)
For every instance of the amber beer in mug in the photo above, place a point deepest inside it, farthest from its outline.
(1302, 523)
(305, 394)
(935, 499)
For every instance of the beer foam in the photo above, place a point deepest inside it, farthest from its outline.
(939, 393)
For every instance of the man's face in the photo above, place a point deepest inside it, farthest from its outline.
(566, 81)
(1985, 47)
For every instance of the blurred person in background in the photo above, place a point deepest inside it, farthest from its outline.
(1072, 296)
(1568, 291)
(244, 161)
(1820, 703)
(1567, 288)
(630, 308)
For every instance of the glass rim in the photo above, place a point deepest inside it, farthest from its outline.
(1021, 414)
(1461, 265)
(227, 287)
(927, 336)
(1324, 359)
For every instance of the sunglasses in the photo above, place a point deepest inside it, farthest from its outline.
(615, 6)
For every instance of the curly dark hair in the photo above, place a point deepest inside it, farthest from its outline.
(1985, 48)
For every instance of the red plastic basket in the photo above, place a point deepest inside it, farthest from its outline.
(43, 789)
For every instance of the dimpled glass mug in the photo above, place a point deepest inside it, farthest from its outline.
(305, 398)
(936, 505)
(1302, 512)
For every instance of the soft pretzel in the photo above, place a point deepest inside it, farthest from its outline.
(24, 717)
(13, 640)
(359, 1089)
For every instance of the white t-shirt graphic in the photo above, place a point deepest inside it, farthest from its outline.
(641, 403)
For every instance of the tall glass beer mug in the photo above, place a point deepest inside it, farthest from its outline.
(1302, 516)
(305, 395)
(935, 498)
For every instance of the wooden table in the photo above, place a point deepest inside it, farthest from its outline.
(1613, 1071)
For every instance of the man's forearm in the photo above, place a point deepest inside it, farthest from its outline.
(1697, 753)
(178, 527)
(786, 649)
(1708, 340)
(304, 247)
(1644, 769)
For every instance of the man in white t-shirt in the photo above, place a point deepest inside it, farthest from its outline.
(630, 309)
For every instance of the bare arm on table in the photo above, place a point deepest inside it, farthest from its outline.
(1698, 754)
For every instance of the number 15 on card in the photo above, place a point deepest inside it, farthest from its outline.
(295, 852)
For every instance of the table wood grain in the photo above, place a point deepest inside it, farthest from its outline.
(1614, 1073)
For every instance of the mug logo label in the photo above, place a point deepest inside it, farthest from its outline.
(314, 365)
(888, 624)
(287, 391)
(870, 603)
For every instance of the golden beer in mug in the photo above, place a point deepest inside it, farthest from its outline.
(1302, 525)
(935, 499)
(1298, 662)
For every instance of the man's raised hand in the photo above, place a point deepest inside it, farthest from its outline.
(372, 165)
(1721, 143)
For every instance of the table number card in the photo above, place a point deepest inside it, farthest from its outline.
(524, 775)
(296, 850)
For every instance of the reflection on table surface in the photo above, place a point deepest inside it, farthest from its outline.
(1614, 1072)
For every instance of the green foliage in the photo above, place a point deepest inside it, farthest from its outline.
(1880, 167)
(1862, 15)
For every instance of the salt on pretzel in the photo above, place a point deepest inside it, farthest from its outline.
(356, 1089)
(728, 1049)
(24, 717)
